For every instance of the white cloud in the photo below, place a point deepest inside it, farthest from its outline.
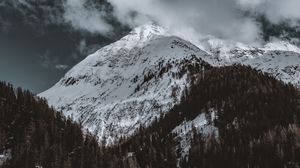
(221, 18)
(275, 10)
(287, 9)
(52, 63)
(45, 60)
(84, 17)
(61, 67)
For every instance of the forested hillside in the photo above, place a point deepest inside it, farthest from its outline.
(36, 135)
(257, 121)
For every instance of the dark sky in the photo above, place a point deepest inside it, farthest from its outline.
(35, 52)
(40, 40)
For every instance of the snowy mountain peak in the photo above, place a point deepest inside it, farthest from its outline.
(282, 46)
(127, 84)
(146, 32)
(141, 34)
(130, 83)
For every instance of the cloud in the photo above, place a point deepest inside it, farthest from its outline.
(228, 19)
(221, 18)
(51, 63)
(61, 67)
(45, 60)
(86, 17)
(275, 10)
(194, 18)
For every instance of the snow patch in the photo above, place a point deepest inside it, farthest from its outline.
(202, 124)
(6, 155)
(279, 59)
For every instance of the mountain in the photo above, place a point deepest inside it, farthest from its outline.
(120, 88)
(127, 84)
(279, 58)
(231, 116)
(255, 115)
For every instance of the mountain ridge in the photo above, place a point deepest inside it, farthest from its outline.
(129, 83)
(128, 77)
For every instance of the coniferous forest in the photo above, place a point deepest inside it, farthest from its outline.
(258, 121)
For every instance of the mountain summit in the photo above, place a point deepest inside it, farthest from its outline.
(134, 81)
(128, 84)
(155, 100)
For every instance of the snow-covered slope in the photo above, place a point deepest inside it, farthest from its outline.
(280, 59)
(128, 83)
(201, 124)
(131, 82)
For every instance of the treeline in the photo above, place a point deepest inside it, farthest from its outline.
(257, 120)
(37, 135)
